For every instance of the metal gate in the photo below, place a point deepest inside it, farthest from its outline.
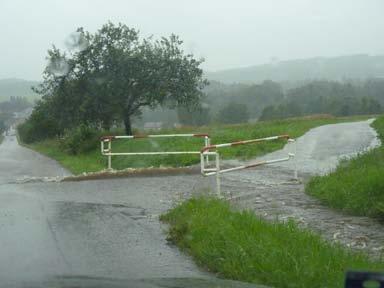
(107, 151)
(205, 152)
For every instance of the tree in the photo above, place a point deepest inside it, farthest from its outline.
(40, 125)
(115, 74)
(233, 113)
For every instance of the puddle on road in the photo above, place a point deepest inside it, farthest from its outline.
(67, 208)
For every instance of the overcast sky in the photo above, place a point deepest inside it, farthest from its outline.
(226, 33)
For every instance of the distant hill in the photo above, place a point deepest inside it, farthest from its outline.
(17, 87)
(336, 68)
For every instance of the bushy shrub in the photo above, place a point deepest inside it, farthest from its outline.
(81, 139)
(39, 126)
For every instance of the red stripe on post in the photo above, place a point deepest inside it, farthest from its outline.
(102, 138)
(286, 136)
(140, 136)
(207, 148)
(200, 135)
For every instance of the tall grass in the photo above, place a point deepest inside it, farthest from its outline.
(242, 246)
(92, 160)
(357, 185)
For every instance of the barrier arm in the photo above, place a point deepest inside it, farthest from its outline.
(210, 147)
(217, 171)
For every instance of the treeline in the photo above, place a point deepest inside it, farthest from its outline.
(227, 104)
(113, 78)
(238, 103)
(329, 97)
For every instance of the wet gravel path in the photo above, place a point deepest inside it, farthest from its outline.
(271, 192)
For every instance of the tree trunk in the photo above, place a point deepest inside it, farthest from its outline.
(127, 124)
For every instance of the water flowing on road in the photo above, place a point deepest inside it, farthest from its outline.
(110, 228)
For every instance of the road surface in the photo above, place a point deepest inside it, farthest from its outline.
(87, 232)
(109, 229)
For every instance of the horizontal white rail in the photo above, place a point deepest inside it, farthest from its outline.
(152, 153)
(107, 140)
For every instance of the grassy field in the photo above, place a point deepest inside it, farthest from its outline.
(357, 185)
(93, 161)
(242, 246)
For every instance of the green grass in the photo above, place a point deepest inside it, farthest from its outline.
(93, 161)
(77, 164)
(356, 186)
(241, 246)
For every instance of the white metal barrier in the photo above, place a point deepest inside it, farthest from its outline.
(204, 153)
(107, 140)
(217, 171)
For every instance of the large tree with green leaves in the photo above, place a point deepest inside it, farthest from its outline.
(113, 73)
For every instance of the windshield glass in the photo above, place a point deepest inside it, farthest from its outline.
(191, 143)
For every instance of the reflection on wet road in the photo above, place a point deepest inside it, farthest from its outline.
(100, 228)
(110, 228)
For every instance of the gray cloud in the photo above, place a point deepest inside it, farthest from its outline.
(226, 33)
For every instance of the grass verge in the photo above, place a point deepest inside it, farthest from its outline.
(241, 246)
(92, 161)
(356, 186)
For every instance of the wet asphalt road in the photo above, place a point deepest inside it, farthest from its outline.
(110, 228)
(103, 228)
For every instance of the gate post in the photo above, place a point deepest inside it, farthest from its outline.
(218, 183)
(109, 156)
